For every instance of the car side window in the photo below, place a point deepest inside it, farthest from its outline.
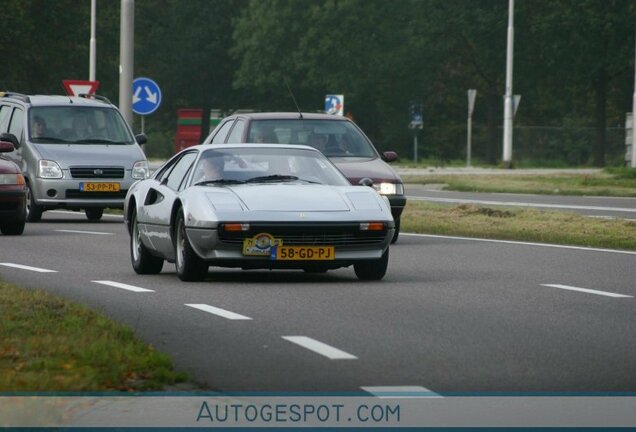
(180, 170)
(237, 132)
(5, 116)
(222, 133)
(17, 123)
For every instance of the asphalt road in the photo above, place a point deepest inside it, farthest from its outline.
(611, 207)
(452, 315)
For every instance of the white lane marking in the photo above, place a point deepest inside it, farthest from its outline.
(84, 232)
(400, 392)
(23, 267)
(218, 311)
(320, 348)
(522, 204)
(81, 214)
(122, 286)
(589, 249)
(586, 290)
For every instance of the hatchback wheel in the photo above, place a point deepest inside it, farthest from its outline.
(396, 234)
(142, 261)
(33, 211)
(372, 269)
(190, 267)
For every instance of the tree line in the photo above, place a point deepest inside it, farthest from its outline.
(573, 65)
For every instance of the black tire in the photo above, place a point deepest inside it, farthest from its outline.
(396, 234)
(190, 267)
(12, 228)
(142, 261)
(33, 211)
(372, 269)
(94, 213)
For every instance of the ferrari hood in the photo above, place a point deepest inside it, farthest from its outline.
(288, 197)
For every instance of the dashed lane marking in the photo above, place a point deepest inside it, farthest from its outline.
(320, 348)
(24, 267)
(400, 392)
(218, 311)
(122, 286)
(588, 291)
(85, 232)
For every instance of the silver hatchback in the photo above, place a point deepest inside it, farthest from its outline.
(75, 152)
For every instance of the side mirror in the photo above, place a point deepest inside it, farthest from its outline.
(389, 156)
(9, 137)
(6, 147)
(141, 139)
(366, 182)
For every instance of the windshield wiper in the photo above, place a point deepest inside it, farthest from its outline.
(273, 177)
(51, 139)
(98, 141)
(218, 181)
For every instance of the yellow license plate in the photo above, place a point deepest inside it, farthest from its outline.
(305, 253)
(99, 187)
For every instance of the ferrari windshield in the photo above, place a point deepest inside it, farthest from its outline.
(224, 166)
(334, 138)
(78, 125)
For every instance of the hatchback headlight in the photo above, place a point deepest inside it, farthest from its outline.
(11, 179)
(49, 169)
(140, 170)
(389, 188)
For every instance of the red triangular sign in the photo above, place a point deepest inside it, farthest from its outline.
(78, 87)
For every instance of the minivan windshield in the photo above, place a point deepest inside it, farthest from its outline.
(78, 125)
(334, 138)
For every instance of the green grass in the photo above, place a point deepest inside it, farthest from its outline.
(602, 184)
(50, 344)
(519, 224)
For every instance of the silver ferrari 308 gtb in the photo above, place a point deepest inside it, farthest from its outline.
(256, 207)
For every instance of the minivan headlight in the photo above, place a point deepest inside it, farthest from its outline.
(389, 188)
(140, 170)
(49, 169)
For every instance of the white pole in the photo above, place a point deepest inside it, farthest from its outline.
(126, 59)
(507, 138)
(472, 93)
(93, 42)
(633, 161)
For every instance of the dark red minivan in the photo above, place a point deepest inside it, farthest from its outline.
(12, 194)
(337, 137)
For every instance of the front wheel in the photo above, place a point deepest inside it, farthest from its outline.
(190, 267)
(372, 269)
(142, 261)
(396, 234)
(33, 211)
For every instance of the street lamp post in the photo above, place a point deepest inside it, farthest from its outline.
(508, 101)
(126, 59)
(93, 43)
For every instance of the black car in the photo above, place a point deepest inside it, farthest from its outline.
(339, 138)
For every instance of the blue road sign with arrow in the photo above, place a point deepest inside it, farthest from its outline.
(146, 96)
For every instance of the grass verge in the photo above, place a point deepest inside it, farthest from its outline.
(518, 224)
(602, 184)
(50, 344)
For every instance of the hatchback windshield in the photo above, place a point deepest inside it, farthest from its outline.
(78, 125)
(333, 138)
(265, 165)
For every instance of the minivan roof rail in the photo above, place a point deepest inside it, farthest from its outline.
(94, 96)
(16, 95)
